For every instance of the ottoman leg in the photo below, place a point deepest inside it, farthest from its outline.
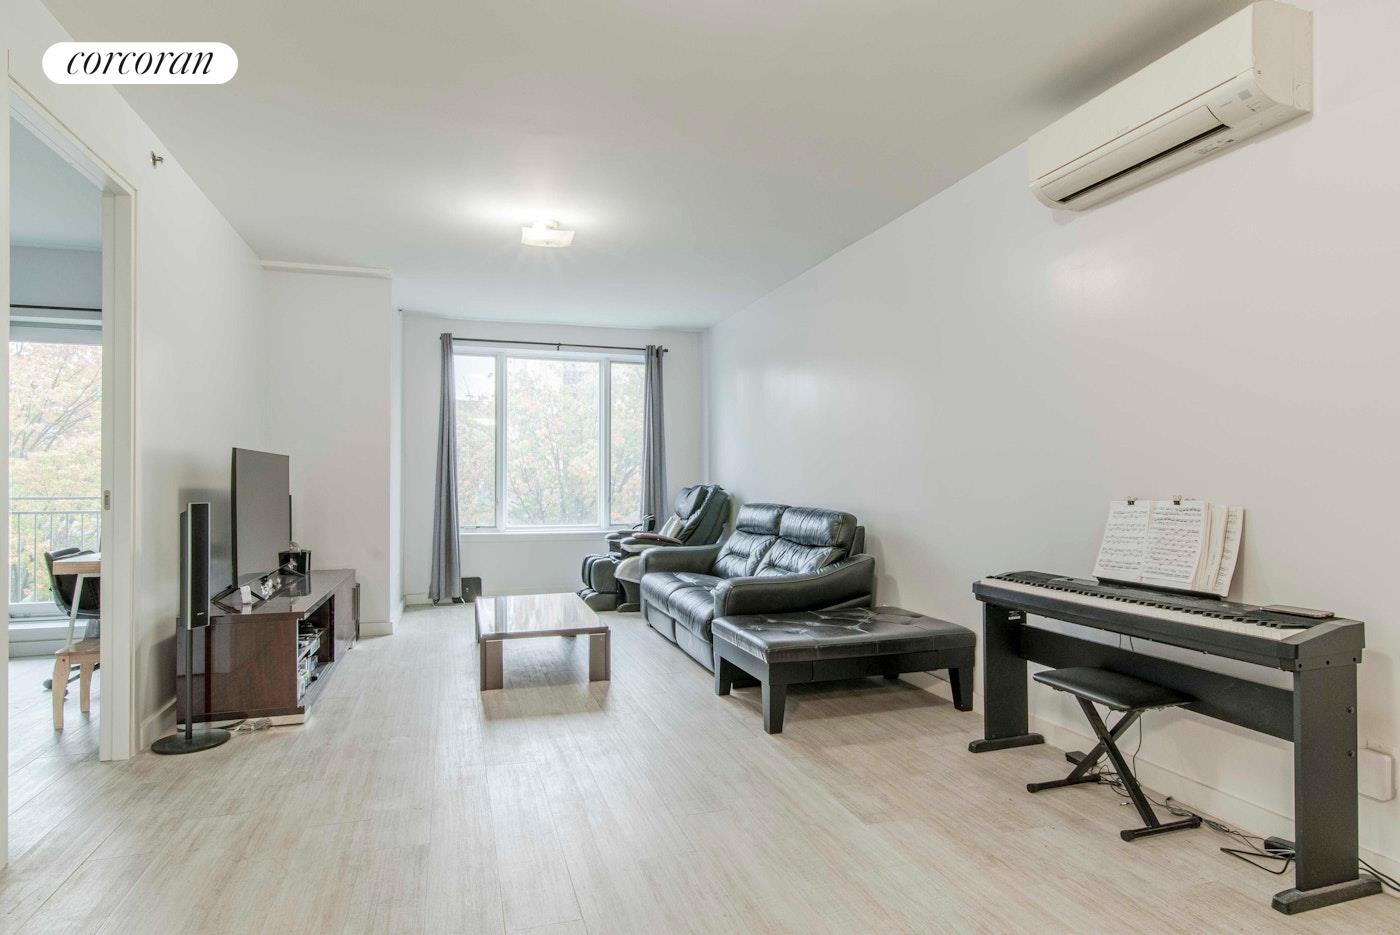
(960, 680)
(726, 673)
(774, 700)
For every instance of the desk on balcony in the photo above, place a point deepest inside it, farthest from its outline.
(85, 567)
(90, 564)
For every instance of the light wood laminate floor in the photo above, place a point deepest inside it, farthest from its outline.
(411, 802)
(40, 755)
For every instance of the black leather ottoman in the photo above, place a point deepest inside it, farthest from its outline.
(779, 650)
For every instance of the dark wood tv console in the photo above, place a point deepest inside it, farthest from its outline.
(246, 661)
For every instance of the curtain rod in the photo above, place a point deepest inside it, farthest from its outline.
(557, 345)
(56, 308)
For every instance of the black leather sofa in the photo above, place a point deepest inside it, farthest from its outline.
(778, 559)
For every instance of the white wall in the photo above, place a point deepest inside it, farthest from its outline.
(198, 327)
(396, 600)
(330, 366)
(50, 276)
(527, 562)
(977, 379)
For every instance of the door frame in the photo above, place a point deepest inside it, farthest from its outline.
(117, 721)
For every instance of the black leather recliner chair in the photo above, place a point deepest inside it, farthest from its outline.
(698, 518)
(779, 559)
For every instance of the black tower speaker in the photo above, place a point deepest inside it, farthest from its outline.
(194, 613)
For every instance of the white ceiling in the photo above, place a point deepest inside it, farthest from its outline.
(706, 152)
(51, 203)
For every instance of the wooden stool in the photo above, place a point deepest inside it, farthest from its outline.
(85, 654)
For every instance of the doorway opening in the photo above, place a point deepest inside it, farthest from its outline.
(55, 459)
(69, 475)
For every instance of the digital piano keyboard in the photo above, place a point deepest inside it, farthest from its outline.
(1317, 714)
(1245, 632)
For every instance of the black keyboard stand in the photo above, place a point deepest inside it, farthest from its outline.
(1318, 715)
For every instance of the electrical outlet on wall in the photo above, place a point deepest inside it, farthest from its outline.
(1375, 774)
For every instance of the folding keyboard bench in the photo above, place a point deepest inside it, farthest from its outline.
(778, 650)
(1131, 696)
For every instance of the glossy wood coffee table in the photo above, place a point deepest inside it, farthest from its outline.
(528, 616)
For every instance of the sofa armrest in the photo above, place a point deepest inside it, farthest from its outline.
(634, 545)
(698, 559)
(655, 538)
(847, 584)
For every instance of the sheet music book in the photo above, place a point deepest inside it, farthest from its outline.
(1188, 545)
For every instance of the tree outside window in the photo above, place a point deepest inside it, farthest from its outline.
(551, 442)
(476, 440)
(55, 458)
(531, 433)
(625, 477)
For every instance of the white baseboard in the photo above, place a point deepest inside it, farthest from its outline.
(27, 649)
(413, 600)
(937, 685)
(1224, 806)
(157, 725)
(370, 628)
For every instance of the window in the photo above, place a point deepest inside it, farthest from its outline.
(55, 459)
(625, 475)
(476, 440)
(548, 441)
(552, 444)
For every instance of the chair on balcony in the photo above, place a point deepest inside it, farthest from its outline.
(83, 654)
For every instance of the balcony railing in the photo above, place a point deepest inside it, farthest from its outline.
(45, 524)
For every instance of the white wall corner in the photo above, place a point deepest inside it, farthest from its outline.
(363, 272)
(706, 467)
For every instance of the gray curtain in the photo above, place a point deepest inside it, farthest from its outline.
(446, 580)
(653, 439)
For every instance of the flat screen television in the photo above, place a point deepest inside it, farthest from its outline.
(262, 512)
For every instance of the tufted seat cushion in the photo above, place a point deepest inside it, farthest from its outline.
(685, 596)
(836, 634)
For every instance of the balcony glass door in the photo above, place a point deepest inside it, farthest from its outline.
(55, 458)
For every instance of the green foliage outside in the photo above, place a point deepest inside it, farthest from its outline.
(55, 457)
(628, 395)
(552, 444)
(476, 440)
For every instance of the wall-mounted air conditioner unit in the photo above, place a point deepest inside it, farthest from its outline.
(1247, 74)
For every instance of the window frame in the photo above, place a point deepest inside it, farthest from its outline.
(605, 360)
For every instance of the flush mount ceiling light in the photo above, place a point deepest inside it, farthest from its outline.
(545, 234)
